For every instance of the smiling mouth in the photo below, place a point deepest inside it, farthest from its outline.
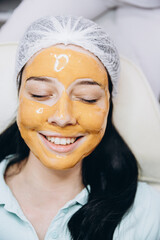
(61, 144)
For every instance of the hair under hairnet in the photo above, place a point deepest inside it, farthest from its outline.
(79, 31)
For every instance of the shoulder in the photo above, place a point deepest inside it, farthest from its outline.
(147, 200)
(146, 191)
(142, 221)
(147, 203)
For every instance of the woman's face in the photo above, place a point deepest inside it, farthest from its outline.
(63, 105)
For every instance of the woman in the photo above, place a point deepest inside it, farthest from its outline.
(68, 174)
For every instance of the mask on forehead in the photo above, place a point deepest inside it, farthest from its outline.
(63, 105)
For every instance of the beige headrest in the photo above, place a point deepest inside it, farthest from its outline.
(136, 113)
(137, 118)
(8, 95)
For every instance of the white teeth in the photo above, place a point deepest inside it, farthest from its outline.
(57, 141)
(51, 139)
(61, 141)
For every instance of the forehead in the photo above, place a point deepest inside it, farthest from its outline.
(67, 64)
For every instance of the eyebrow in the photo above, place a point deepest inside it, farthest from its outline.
(42, 79)
(46, 79)
(86, 82)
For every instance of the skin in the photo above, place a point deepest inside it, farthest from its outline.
(66, 77)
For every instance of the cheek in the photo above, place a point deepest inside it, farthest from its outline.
(91, 117)
(31, 115)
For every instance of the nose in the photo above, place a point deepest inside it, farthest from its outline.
(62, 114)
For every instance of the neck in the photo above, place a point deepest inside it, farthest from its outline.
(39, 176)
(54, 186)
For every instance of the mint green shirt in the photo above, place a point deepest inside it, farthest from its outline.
(142, 222)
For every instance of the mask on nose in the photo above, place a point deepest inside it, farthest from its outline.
(63, 105)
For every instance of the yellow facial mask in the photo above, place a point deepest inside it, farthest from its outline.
(63, 105)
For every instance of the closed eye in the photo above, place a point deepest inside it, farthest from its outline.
(89, 100)
(39, 96)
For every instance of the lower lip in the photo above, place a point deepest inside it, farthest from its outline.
(61, 148)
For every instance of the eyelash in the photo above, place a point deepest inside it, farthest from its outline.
(89, 101)
(39, 96)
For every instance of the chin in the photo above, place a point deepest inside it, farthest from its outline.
(59, 164)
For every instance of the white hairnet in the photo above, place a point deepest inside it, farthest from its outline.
(79, 31)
